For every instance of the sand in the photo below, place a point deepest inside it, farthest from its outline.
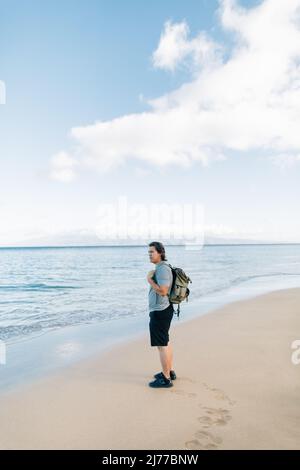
(237, 388)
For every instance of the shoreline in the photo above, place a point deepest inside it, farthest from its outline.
(237, 388)
(35, 358)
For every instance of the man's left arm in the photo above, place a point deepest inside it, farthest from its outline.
(163, 281)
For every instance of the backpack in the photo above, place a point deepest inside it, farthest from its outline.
(179, 290)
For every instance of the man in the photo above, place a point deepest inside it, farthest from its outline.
(161, 313)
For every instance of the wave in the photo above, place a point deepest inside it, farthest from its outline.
(241, 279)
(35, 286)
(30, 324)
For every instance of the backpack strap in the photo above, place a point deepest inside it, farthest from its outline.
(178, 305)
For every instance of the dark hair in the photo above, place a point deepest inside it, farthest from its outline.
(160, 249)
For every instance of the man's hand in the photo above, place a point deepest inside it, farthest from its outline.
(161, 290)
(150, 274)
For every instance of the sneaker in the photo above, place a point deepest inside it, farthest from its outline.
(161, 381)
(172, 375)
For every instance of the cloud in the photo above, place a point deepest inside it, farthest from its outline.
(285, 161)
(248, 101)
(63, 167)
(175, 47)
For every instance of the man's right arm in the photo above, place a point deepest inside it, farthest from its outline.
(163, 279)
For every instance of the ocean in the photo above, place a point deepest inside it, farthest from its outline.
(61, 304)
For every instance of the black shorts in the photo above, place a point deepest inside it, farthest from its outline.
(159, 325)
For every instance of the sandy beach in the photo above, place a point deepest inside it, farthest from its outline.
(237, 388)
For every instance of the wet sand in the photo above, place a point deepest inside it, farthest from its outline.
(237, 388)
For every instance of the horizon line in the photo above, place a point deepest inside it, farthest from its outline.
(141, 245)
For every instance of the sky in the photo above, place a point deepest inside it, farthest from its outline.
(194, 102)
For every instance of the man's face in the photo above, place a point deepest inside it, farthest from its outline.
(154, 256)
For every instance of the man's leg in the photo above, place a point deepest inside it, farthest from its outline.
(170, 356)
(165, 360)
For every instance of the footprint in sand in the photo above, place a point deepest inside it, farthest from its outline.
(183, 393)
(214, 416)
(211, 418)
(204, 440)
(219, 394)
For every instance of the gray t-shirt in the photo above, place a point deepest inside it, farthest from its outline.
(162, 276)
